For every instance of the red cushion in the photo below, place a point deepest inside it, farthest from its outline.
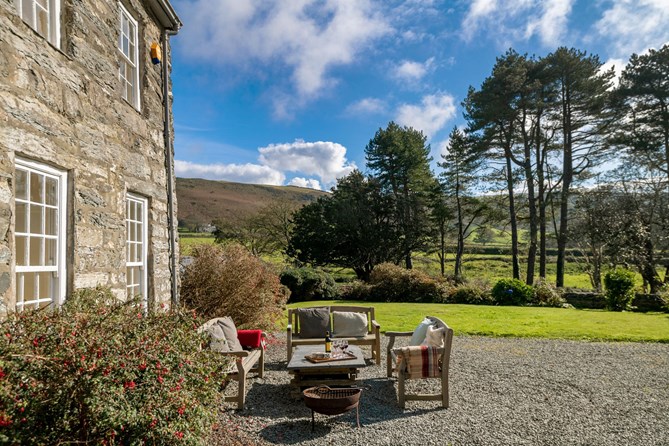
(250, 338)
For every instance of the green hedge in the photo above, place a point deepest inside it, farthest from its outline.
(101, 371)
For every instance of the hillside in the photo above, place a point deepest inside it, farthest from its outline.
(202, 201)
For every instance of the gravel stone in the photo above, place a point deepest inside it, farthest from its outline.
(503, 391)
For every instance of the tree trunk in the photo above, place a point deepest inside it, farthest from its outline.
(648, 271)
(512, 216)
(567, 174)
(461, 241)
(532, 208)
(541, 197)
(442, 249)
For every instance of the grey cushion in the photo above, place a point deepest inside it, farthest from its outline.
(230, 331)
(314, 322)
(217, 342)
(349, 323)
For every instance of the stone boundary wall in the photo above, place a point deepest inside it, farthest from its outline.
(642, 302)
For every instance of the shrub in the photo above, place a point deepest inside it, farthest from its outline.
(356, 290)
(546, 295)
(512, 292)
(101, 371)
(470, 294)
(619, 285)
(308, 284)
(229, 281)
(392, 283)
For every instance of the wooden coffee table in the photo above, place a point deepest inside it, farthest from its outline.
(331, 373)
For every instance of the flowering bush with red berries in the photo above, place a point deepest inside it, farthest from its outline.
(101, 371)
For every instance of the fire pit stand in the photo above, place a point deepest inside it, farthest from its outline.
(332, 401)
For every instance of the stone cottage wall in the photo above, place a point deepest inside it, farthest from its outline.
(63, 107)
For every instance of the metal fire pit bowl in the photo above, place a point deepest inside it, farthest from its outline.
(332, 401)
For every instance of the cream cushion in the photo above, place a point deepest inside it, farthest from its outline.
(349, 323)
(217, 342)
(420, 332)
(230, 331)
(434, 337)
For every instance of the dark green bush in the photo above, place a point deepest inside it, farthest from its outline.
(512, 292)
(100, 371)
(226, 280)
(470, 294)
(619, 285)
(308, 284)
(392, 283)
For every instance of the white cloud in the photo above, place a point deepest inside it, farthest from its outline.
(324, 159)
(241, 173)
(305, 182)
(633, 26)
(307, 37)
(518, 20)
(618, 65)
(410, 71)
(552, 23)
(430, 116)
(367, 106)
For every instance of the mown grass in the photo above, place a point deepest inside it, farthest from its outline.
(535, 322)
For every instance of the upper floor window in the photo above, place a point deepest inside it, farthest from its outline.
(39, 235)
(43, 16)
(129, 59)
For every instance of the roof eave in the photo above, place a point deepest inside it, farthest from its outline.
(166, 14)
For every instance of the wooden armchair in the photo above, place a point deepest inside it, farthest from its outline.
(397, 361)
(245, 361)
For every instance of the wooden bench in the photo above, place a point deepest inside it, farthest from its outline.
(245, 361)
(372, 338)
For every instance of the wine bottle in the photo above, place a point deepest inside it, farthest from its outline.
(328, 342)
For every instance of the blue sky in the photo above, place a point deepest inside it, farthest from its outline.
(290, 91)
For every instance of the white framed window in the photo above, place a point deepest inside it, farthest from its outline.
(137, 234)
(39, 234)
(43, 16)
(129, 59)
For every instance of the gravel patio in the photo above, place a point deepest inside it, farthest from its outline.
(503, 391)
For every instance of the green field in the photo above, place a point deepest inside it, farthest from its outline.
(536, 322)
(188, 239)
(477, 267)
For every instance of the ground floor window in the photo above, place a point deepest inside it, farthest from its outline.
(39, 234)
(136, 246)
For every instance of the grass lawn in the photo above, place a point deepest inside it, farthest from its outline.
(556, 323)
(188, 240)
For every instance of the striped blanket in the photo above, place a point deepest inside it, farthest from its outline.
(422, 361)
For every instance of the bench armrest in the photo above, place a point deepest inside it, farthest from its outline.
(242, 354)
(398, 333)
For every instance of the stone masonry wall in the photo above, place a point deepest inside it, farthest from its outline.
(63, 107)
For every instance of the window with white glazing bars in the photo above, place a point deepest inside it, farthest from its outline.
(39, 235)
(128, 57)
(136, 246)
(43, 16)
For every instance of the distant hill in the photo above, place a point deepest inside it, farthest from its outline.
(202, 201)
